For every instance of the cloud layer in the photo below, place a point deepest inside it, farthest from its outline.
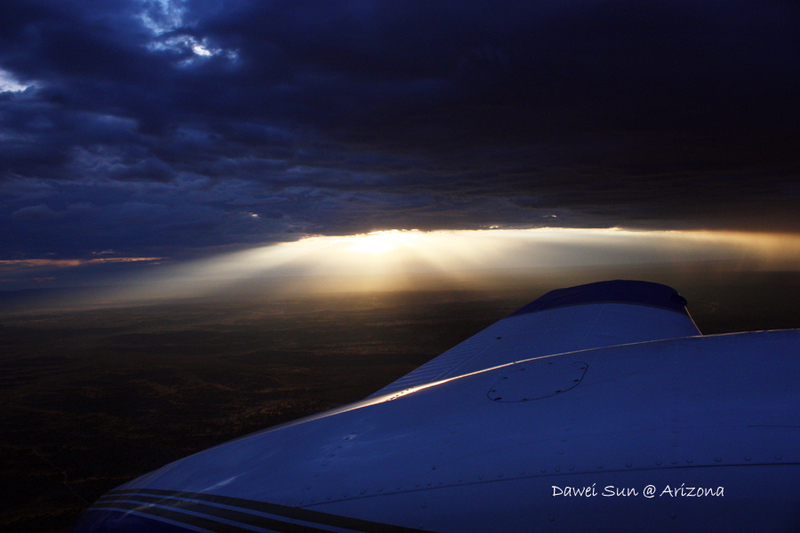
(160, 128)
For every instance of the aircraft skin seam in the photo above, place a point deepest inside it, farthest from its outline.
(438, 369)
(508, 329)
(511, 326)
(570, 386)
(430, 457)
(590, 330)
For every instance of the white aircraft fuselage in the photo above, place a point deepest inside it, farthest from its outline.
(594, 408)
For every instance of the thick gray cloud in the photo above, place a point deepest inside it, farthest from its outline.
(178, 125)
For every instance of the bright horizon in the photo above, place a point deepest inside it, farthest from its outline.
(466, 259)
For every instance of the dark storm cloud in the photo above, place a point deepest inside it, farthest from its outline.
(152, 126)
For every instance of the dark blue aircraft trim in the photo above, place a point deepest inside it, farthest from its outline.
(617, 291)
(119, 521)
(180, 517)
(179, 514)
(188, 508)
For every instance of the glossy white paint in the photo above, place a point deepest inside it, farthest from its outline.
(566, 399)
(553, 331)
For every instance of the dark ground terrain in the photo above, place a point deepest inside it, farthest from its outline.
(94, 397)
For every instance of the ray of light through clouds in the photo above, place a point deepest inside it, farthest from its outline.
(460, 259)
(179, 129)
(351, 165)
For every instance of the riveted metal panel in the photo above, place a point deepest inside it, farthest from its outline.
(537, 379)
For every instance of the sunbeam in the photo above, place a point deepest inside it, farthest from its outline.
(399, 260)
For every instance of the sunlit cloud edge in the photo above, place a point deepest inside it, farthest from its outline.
(392, 260)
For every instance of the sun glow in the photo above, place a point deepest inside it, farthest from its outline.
(380, 242)
(407, 259)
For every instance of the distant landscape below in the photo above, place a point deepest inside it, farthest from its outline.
(94, 396)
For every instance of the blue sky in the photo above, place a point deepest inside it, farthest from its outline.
(158, 128)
